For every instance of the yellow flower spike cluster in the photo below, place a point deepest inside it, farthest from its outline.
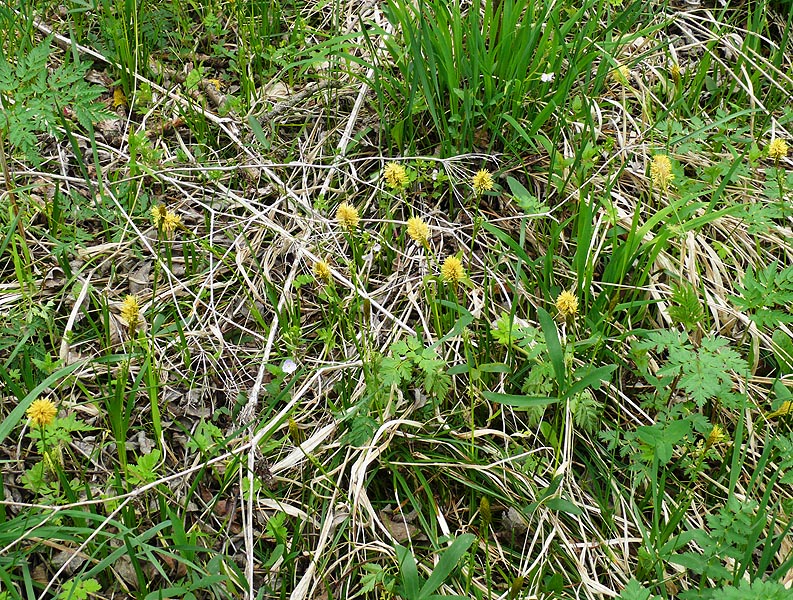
(168, 220)
(130, 311)
(785, 409)
(172, 222)
(621, 74)
(158, 213)
(42, 412)
(567, 305)
(395, 176)
(418, 231)
(661, 171)
(676, 73)
(715, 437)
(485, 513)
(777, 149)
(347, 216)
(482, 182)
(452, 270)
(119, 99)
(322, 270)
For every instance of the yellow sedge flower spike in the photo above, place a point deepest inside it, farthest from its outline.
(567, 305)
(172, 222)
(395, 175)
(785, 409)
(482, 182)
(418, 231)
(621, 74)
(322, 270)
(452, 270)
(165, 219)
(676, 73)
(485, 513)
(777, 149)
(347, 216)
(119, 99)
(661, 171)
(158, 214)
(130, 311)
(715, 437)
(42, 412)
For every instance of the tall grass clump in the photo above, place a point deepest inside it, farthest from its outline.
(491, 73)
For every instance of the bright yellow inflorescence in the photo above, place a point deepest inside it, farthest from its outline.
(130, 311)
(715, 437)
(42, 412)
(482, 182)
(395, 175)
(777, 149)
(158, 213)
(119, 99)
(322, 270)
(418, 231)
(347, 216)
(676, 73)
(661, 171)
(621, 74)
(166, 219)
(567, 304)
(452, 270)
(785, 409)
(171, 222)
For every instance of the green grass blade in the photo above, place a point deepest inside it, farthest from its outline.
(450, 559)
(554, 347)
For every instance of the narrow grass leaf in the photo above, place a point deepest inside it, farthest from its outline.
(447, 564)
(554, 347)
(519, 401)
(258, 132)
(504, 237)
(592, 379)
(495, 367)
(565, 506)
(408, 572)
